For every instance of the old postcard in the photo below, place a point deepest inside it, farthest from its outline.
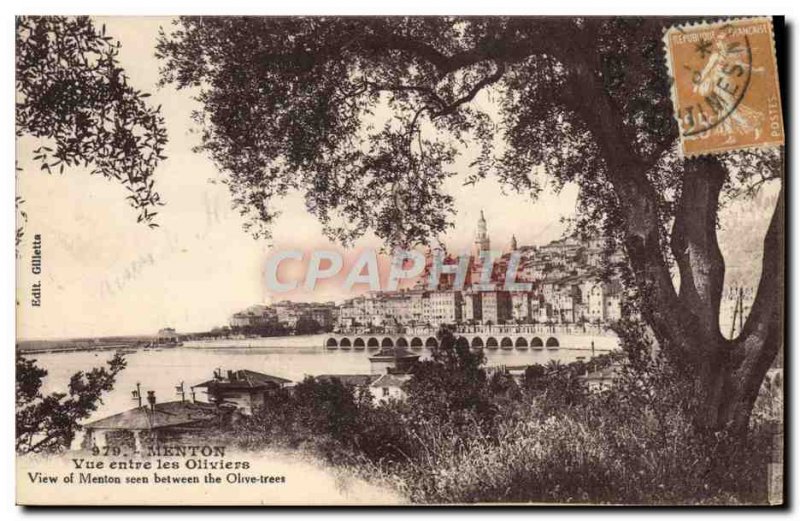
(399, 260)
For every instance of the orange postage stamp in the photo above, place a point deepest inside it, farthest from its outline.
(725, 85)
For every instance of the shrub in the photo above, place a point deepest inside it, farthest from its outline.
(463, 436)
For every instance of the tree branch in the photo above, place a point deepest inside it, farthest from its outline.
(485, 82)
(444, 64)
(637, 199)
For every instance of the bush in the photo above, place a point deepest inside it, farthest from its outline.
(464, 436)
(580, 457)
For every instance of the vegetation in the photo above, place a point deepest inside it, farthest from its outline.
(73, 95)
(48, 423)
(304, 326)
(308, 326)
(262, 330)
(465, 435)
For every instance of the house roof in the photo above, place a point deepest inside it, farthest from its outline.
(244, 379)
(393, 353)
(391, 380)
(357, 380)
(167, 414)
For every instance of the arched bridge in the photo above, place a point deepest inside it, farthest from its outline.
(501, 340)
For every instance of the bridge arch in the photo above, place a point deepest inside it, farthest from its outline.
(537, 342)
(331, 342)
(416, 342)
(462, 342)
(431, 342)
(402, 342)
(358, 343)
(521, 342)
(491, 343)
(552, 342)
(345, 343)
(373, 342)
(387, 342)
(506, 343)
(477, 342)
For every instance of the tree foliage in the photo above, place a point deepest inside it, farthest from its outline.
(307, 326)
(450, 386)
(73, 95)
(48, 423)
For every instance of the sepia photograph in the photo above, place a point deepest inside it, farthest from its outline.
(400, 260)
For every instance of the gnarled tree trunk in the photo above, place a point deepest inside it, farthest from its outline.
(727, 373)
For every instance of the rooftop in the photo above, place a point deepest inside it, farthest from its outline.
(244, 379)
(357, 380)
(391, 380)
(393, 353)
(167, 414)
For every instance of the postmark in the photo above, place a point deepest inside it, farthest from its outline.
(725, 91)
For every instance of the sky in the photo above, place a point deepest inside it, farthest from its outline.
(105, 274)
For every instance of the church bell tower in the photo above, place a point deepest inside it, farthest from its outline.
(482, 242)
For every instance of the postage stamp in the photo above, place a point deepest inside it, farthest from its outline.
(725, 85)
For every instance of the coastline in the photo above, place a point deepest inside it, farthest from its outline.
(32, 347)
(299, 341)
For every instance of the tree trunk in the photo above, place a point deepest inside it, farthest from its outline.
(726, 374)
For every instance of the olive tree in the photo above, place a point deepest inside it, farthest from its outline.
(297, 104)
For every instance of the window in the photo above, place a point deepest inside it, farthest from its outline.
(386, 391)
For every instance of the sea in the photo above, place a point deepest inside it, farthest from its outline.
(164, 370)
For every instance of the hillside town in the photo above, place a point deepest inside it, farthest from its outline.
(566, 287)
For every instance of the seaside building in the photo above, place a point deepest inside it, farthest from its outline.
(396, 360)
(153, 423)
(322, 314)
(495, 306)
(285, 314)
(522, 306)
(244, 389)
(603, 300)
(168, 335)
(389, 386)
(393, 367)
(257, 316)
(288, 313)
(444, 307)
(473, 307)
(390, 369)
